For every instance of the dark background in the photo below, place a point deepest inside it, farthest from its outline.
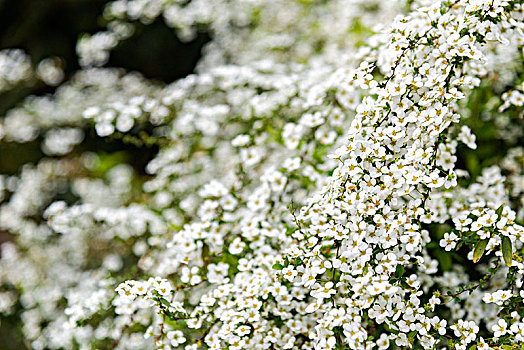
(45, 28)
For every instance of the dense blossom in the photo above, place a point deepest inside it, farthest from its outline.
(309, 190)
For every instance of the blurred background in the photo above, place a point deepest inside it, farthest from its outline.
(47, 28)
(51, 28)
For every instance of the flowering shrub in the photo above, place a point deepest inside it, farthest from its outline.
(322, 182)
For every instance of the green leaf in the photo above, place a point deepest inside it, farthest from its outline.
(399, 271)
(507, 250)
(412, 334)
(277, 267)
(473, 347)
(507, 347)
(499, 211)
(480, 248)
(165, 302)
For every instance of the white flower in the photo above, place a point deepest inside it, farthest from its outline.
(240, 140)
(237, 246)
(289, 273)
(500, 329)
(176, 338)
(449, 241)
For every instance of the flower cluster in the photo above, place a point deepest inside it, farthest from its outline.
(367, 228)
(316, 184)
(245, 31)
(16, 69)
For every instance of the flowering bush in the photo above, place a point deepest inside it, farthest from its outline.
(336, 175)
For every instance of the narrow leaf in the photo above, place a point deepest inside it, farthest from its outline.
(479, 249)
(165, 302)
(399, 271)
(499, 211)
(507, 250)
